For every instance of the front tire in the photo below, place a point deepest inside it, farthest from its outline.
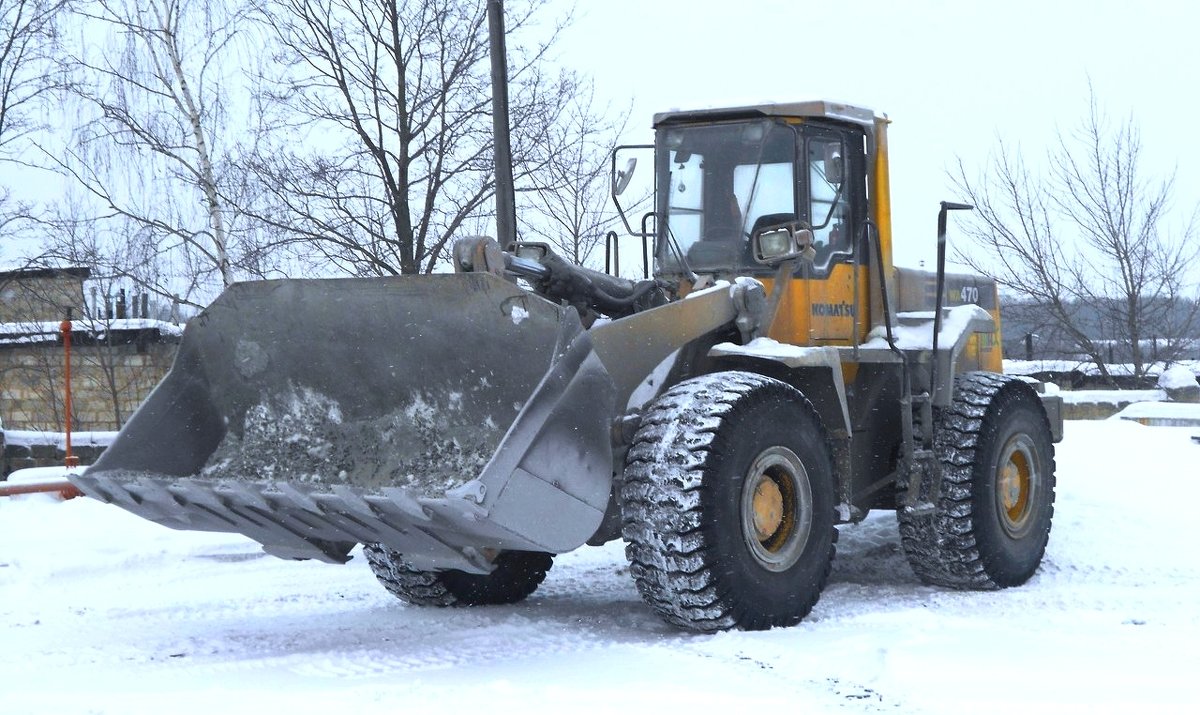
(516, 576)
(728, 504)
(991, 525)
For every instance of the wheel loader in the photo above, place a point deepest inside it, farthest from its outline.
(775, 377)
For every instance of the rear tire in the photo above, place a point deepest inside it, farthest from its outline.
(728, 504)
(516, 576)
(990, 527)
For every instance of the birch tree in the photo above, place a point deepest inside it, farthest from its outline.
(30, 42)
(157, 150)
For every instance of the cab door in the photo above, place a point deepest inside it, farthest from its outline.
(819, 306)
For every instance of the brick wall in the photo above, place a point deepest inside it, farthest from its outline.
(48, 454)
(107, 383)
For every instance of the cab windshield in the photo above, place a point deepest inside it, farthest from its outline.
(718, 184)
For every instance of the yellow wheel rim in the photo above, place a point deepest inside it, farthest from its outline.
(776, 508)
(1017, 485)
(768, 509)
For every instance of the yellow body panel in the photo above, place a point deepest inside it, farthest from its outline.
(820, 311)
(983, 349)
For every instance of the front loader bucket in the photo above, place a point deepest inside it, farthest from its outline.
(441, 415)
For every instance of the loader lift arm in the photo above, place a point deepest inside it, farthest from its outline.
(589, 291)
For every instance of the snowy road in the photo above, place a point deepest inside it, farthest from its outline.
(103, 613)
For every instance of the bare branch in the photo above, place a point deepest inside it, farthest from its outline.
(399, 98)
(1087, 245)
(159, 151)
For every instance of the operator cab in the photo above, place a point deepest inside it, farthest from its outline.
(725, 175)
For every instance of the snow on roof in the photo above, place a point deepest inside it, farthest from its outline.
(30, 438)
(25, 270)
(32, 332)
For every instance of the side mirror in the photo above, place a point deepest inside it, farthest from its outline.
(780, 243)
(835, 171)
(530, 250)
(621, 180)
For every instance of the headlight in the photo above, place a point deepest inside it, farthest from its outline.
(775, 243)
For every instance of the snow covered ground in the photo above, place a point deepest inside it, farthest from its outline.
(101, 612)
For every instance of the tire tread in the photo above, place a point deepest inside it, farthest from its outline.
(662, 502)
(517, 575)
(942, 546)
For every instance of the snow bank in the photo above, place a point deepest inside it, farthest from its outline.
(1115, 398)
(1032, 367)
(1177, 377)
(1085, 367)
(1182, 414)
(42, 476)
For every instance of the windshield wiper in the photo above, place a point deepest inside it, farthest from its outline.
(672, 243)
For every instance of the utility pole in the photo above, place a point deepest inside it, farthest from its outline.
(506, 208)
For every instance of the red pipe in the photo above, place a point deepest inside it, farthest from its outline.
(70, 460)
(54, 485)
(60, 485)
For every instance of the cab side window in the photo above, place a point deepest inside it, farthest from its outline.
(829, 202)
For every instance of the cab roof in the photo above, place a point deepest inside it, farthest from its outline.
(818, 109)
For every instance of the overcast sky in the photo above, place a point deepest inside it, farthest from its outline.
(953, 76)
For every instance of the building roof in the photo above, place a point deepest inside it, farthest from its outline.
(80, 272)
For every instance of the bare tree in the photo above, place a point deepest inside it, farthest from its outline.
(158, 151)
(116, 249)
(29, 42)
(1088, 242)
(29, 75)
(571, 206)
(382, 125)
